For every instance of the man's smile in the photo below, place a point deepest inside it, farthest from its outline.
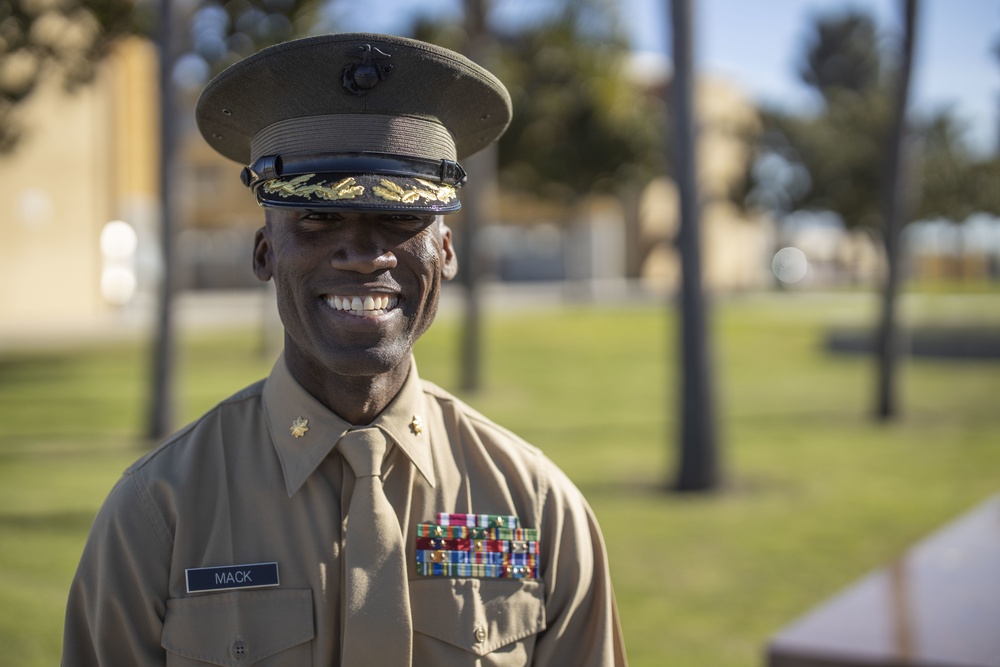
(369, 305)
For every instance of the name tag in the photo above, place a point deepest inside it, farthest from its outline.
(229, 577)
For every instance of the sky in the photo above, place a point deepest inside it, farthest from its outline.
(756, 43)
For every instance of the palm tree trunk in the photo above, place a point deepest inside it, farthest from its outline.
(699, 465)
(482, 171)
(894, 211)
(161, 406)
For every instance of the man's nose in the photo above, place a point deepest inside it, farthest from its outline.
(360, 249)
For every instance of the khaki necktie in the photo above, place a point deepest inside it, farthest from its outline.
(377, 625)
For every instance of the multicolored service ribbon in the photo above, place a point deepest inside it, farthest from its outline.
(485, 571)
(478, 520)
(465, 532)
(477, 545)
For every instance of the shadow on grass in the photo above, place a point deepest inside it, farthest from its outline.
(732, 488)
(33, 368)
(61, 446)
(942, 342)
(75, 521)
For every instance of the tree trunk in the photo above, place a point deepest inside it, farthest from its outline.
(482, 172)
(481, 169)
(630, 196)
(699, 465)
(161, 407)
(894, 211)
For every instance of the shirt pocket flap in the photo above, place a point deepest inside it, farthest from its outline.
(238, 628)
(477, 615)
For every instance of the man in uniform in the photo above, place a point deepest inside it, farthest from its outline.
(343, 511)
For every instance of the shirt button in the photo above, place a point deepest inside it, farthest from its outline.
(239, 649)
(480, 634)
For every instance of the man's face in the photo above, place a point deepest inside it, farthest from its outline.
(355, 289)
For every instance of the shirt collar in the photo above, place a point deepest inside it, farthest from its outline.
(288, 405)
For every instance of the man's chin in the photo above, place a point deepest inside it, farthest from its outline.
(367, 362)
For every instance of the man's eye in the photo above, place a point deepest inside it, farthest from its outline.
(406, 220)
(321, 216)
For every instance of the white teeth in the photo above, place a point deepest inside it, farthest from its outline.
(368, 305)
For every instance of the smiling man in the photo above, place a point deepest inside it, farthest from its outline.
(343, 511)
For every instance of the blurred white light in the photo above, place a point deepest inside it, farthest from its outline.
(117, 284)
(790, 265)
(35, 207)
(118, 240)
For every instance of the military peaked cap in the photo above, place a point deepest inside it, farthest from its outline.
(354, 121)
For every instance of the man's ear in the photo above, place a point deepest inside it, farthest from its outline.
(262, 255)
(449, 267)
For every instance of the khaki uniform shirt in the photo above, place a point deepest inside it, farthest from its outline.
(236, 487)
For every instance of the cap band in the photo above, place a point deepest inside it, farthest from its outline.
(354, 133)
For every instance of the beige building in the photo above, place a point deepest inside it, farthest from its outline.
(85, 159)
(736, 250)
(596, 244)
(89, 158)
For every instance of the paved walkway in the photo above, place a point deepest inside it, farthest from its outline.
(207, 310)
(196, 310)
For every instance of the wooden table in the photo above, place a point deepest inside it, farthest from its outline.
(938, 605)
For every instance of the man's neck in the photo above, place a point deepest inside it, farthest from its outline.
(357, 399)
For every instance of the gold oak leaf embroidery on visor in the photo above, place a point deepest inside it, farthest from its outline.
(297, 187)
(392, 191)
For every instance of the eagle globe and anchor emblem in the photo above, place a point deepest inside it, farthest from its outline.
(362, 76)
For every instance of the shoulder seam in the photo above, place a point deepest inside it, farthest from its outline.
(241, 396)
(148, 511)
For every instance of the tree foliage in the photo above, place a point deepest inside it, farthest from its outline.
(581, 123)
(841, 148)
(842, 152)
(69, 37)
(61, 37)
(842, 56)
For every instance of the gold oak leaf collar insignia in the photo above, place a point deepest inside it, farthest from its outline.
(299, 427)
(417, 425)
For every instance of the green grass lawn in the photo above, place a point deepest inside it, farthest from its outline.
(817, 493)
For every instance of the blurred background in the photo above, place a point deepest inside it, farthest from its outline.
(849, 365)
